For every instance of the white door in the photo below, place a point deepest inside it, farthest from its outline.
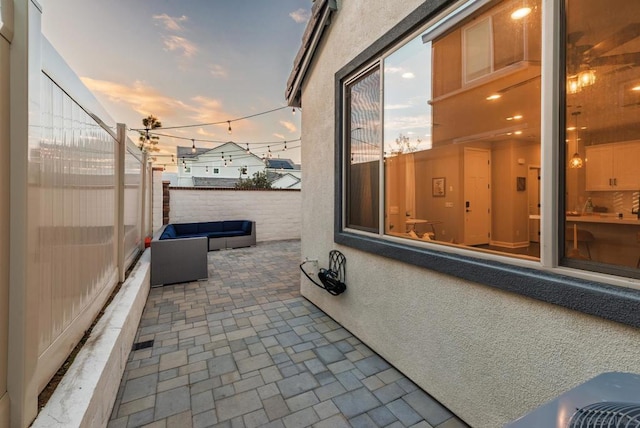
(477, 196)
(533, 189)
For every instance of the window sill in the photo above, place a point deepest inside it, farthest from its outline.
(600, 299)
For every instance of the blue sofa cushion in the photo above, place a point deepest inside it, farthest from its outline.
(169, 232)
(186, 228)
(238, 225)
(209, 227)
(227, 234)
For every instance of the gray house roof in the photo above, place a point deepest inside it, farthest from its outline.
(217, 183)
(320, 17)
(280, 164)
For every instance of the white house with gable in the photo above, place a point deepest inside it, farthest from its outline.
(225, 165)
(221, 166)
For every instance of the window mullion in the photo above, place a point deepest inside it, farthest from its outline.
(550, 132)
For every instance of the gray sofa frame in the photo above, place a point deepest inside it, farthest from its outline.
(234, 241)
(178, 260)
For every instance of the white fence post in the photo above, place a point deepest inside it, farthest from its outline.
(143, 199)
(121, 149)
(25, 65)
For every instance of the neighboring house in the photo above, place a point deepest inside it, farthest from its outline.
(225, 165)
(222, 166)
(283, 173)
(480, 261)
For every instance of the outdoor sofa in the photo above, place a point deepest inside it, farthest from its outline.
(179, 251)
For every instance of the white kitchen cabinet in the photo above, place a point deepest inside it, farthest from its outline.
(613, 166)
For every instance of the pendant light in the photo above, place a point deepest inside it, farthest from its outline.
(576, 161)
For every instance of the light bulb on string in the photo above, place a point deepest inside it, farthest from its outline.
(225, 163)
(285, 147)
(184, 163)
(222, 155)
(229, 129)
(248, 151)
(206, 169)
(230, 160)
(293, 112)
(173, 160)
(269, 151)
(193, 146)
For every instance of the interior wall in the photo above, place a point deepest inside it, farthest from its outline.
(488, 355)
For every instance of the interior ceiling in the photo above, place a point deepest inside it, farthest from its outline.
(610, 110)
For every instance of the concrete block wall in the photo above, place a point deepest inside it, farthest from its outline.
(277, 213)
(156, 198)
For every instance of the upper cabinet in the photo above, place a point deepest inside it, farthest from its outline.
(613, 166)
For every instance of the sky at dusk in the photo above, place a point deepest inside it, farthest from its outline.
(187, 62)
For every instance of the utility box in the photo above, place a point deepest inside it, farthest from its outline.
(608, 400)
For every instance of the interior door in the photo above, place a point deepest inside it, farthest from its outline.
(534, 203)
(477, 196)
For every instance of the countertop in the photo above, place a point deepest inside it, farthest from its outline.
(604, 218)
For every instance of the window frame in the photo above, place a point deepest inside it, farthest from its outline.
(607, 296)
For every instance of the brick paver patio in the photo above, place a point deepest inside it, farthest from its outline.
(244, 349)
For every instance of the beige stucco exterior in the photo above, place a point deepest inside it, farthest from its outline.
(4, 229)
(488, 355)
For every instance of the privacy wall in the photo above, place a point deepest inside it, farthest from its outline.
(75, 212)
(276, 212)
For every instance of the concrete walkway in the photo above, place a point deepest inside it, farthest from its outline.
(244, 349)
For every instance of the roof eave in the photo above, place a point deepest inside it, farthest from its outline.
(320, 18)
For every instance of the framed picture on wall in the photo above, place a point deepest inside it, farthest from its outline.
(438, 186)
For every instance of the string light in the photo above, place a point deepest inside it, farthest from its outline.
(206, 169)
(222, 155)
(248, 151)
(285, 147)
(229, 129)
(294, 111)
(269, 151)
(230, 160)
(193, 146)
(228, 122)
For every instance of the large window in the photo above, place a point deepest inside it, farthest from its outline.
(460, 138)
(602, 135)
(443, 136)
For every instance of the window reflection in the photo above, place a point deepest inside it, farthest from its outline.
(363, 153)
(462, 134)
(603, 131)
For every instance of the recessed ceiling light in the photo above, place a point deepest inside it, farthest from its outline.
(521, 13)
(518, 132)
(517, 117)
(571, 128)
(510, 118)
(408, 75)
(583, 127)
(493, 97)
(636, 88)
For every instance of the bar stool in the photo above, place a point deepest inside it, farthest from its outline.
(577, 236)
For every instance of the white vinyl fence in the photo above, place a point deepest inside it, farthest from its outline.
(77, 214)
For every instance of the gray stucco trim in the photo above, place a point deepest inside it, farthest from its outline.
(599, 299)
(606, 301)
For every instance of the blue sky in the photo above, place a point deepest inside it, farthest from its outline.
(186, 62)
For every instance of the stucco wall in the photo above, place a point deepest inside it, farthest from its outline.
(276, 212)
(489, 355)
(4, 228)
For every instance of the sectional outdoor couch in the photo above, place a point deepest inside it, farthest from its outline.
(179, 251)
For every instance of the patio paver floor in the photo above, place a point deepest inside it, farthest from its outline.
(245, 349)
